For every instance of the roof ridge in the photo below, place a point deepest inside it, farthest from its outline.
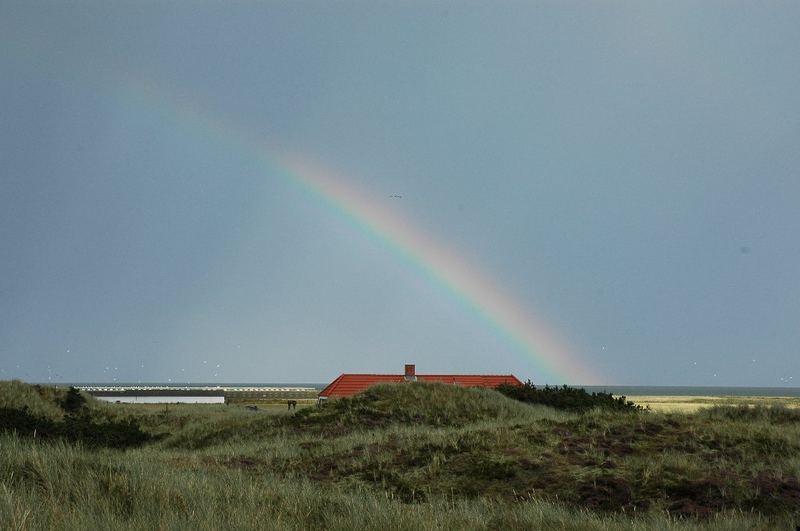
(419, 374)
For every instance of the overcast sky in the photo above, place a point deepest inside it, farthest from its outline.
(627, 171)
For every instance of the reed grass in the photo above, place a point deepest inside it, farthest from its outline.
(387, 461)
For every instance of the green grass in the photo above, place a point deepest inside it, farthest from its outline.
(412, 456)
(430, 404)
(39, 400)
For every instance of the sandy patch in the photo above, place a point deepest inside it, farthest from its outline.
(688, 404)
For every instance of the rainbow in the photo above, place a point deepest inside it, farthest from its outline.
(443, 267)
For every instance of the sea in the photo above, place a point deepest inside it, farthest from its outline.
(680, 390)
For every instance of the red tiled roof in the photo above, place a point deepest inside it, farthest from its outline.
(351, 384)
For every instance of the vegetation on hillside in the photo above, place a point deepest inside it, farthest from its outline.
(775, 414)
(39, 400)
(411, 456)
(48, 413)
(567, 398)
(428, 404)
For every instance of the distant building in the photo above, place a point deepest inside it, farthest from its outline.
(351, 384)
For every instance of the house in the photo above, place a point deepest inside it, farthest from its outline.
(351, 384)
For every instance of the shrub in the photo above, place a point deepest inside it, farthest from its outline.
(73, 401)
(567, 398)
(78, 427)
(26, 424)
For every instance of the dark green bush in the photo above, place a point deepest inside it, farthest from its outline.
(73, 401)
(567, 398)
(75, 427)
(27, 424)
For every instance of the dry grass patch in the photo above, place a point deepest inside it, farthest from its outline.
(691, 404)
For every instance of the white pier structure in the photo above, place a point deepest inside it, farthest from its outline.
(91, 389)
(195, 393)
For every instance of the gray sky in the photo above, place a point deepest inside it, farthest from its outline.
(628, 172)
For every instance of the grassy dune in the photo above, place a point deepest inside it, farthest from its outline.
(414, 456)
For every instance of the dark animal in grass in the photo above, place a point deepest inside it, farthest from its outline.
(292, 404)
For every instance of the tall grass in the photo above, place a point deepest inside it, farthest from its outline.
(60, 486)
(39, 400)
(410, 457)
(773, 414)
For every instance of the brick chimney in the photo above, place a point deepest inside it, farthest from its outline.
(411, 372)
